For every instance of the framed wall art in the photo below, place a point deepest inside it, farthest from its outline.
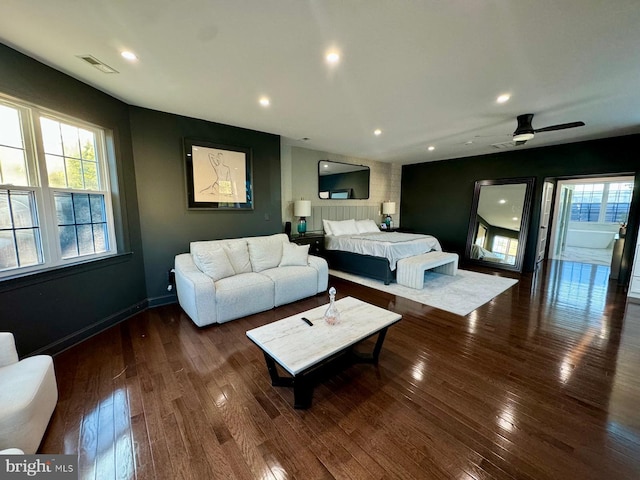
(219, 177)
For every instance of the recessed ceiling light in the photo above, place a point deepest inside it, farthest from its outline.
(265, 102)
(431, 148)
(377, 132)
(514, 218)
(333, 57)
(503, 98)
(129, 55)
(502, 201)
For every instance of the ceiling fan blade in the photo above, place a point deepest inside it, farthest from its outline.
(561, 126)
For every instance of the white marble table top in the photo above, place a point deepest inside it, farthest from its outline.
(297, 346)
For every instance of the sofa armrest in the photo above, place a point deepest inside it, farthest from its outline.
(321, 266)
(196, 291)
(8, 352)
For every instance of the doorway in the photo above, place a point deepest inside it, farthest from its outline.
(587, 216)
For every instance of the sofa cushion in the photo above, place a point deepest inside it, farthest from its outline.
(292, 283)
(243, 294)
(214, 263)
(293, 254)
(238, 254)
(266, 252)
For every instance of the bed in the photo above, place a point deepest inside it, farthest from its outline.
(480, 253)
(359, 247)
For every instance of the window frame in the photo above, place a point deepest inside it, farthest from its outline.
(37, 177)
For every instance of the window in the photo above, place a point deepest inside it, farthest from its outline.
(601, 202)
(586, 202)
(506, 248)
(55, 198)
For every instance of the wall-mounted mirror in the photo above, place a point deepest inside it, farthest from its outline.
(338, 180)
(499, 222)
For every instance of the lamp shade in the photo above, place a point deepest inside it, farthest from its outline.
(302, 208)
(389, 208)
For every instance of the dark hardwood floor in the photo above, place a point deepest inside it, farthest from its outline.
(540, 383)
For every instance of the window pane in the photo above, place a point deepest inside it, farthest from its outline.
(85, 239)
(8, 257)
(81, 208)
(68, 242)
(22, 209)
(28, 249)
(74, 174)
(70, 141)
(10, 130)
(90, 175)
(5, 213)
(51, 136)
(64, 209)
(97, 208)
(87, 142)
(100, 236)
(13, 168)
(55, 171)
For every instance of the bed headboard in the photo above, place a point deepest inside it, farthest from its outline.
(338, 212)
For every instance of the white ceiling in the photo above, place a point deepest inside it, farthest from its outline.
(425, 72)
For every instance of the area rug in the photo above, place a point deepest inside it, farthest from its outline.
(460, 294)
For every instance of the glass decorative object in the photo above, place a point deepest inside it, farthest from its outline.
(302, 226)
(332, 315)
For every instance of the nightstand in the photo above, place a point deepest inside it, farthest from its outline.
(315, 240)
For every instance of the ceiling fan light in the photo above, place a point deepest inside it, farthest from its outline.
(522, 137)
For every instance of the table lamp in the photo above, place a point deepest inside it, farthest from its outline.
(302, 209)
(388, 209)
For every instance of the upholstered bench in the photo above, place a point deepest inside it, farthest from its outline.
(410, 270)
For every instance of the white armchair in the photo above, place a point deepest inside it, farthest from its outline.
(28, 396)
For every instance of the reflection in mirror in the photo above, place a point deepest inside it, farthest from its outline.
(342, 180)
(498, 230)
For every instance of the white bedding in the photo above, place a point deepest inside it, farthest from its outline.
(391, 245)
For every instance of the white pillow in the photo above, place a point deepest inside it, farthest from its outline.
(293, 254)
(326, 224)
(367, 226)
(265, 252)
(238, 256)
(214, 263)
(344, 227)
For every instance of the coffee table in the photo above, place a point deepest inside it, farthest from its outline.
(302, 349)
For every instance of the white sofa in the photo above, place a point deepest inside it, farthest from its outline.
(28, 397)
(221, 280)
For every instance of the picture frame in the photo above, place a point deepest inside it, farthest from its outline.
(219, 177)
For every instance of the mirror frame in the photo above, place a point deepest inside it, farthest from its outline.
(524, 222)
(345, 190)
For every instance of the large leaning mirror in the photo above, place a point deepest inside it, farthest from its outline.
(499, 222)
(345, 181)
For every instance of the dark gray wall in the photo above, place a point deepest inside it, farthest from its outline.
(52, 310)
(167, 225)
(437, 196)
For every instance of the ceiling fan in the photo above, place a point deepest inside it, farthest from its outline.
(525, 130)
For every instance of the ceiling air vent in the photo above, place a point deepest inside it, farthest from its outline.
(94, 62)
(503, 145)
